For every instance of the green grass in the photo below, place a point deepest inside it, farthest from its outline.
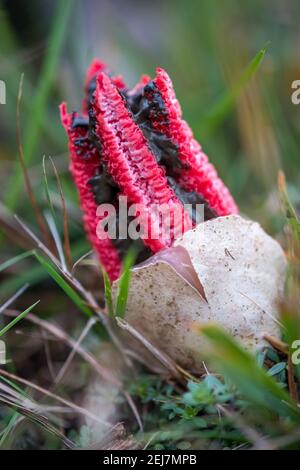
(15, 259)
(205, 47)
(108, 294)
(240, 367)
(68, 290)
(224, 106)
(39, 104)
(16, 320)
(123, 284)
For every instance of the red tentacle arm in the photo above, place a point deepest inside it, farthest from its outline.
(83, 165)
(201, 175)
(131, 163)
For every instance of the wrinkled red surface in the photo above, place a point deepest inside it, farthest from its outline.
(96, 67)
(201, 175)
(83, 165)
(131, 163)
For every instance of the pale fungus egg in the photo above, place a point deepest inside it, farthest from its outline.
(226, 271)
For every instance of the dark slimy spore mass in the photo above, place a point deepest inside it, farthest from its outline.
(146, 104)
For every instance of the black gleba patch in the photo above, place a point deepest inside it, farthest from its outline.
(144, 105)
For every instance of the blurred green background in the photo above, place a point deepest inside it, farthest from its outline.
(204, 45)
(248, 127)
(236, 99)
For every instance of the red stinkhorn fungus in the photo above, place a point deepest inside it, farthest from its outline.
(134, 143)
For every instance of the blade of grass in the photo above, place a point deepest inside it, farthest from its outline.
(40, 420)
(5, 433)
(9, 46)
(13, 298)
(17, 319)
(67, 246)
(56, 238)
(79, 261)
(91, 322)
(38, 242)
(87, 295)
(15, 386)
(47, 189)
(49, 70)
(167, 362)
(288, 208)
(107, 294)
(54, 396)
(71, 293)
(15, 260)
(32, 276)
(221, 109)
(290, 318)
(35, 274)
(88, 357)
(241, 368)
(123, 285)
(71, 280)
(36, 209)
